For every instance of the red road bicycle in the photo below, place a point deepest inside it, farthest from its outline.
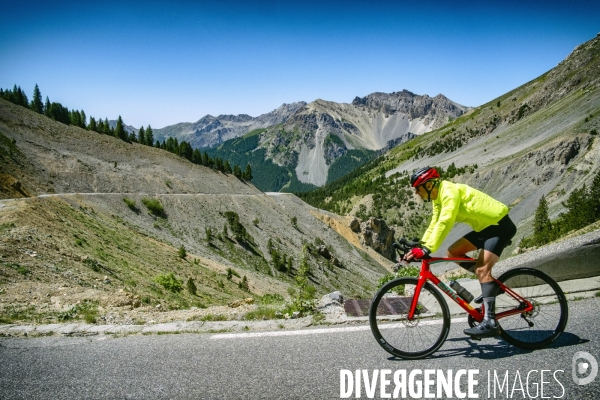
(410, 318)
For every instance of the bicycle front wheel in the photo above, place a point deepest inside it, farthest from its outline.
(548, 319)
(415, 338)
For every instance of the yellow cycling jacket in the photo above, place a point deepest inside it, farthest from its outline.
(457, 202)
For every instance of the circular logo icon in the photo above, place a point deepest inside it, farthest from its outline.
(584, 363)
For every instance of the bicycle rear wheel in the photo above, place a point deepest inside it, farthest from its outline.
(401, 337)
(548, 319)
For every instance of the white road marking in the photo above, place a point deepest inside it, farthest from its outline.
(315, 331)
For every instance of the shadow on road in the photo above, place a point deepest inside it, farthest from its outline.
(495, 350)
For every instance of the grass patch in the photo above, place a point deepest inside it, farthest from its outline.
(271, 299)
(212, 317)
(461, 275)
(14, 313)
(6, 227)
(86, 310)
(318, 318)
(263, 313)
(407, 271)
(19, 268)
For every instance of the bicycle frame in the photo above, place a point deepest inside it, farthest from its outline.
(426, 275)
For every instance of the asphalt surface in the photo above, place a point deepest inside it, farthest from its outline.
(302, 364)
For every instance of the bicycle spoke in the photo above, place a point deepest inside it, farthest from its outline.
(415, 338)
(545, 322)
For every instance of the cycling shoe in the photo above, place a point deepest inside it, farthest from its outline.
(483, 330)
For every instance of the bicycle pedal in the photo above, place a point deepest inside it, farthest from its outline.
(475, 338)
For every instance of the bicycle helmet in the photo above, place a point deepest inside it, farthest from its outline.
(422, 175)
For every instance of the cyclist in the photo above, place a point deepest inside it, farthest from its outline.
(492, 232)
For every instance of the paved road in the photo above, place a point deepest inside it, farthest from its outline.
(284, 364)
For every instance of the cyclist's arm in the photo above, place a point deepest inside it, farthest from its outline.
(434, 218)
(442, 221)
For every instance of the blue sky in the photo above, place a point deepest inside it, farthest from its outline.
(161, 63)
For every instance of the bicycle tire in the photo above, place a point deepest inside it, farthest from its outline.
(399, 336)
(547, 321)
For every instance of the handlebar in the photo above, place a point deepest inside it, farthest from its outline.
(402, 247)
(405, 245)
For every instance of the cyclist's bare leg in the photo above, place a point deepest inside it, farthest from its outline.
(459, 249)
(485, 263)
(488, 327)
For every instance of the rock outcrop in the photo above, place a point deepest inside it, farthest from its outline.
(377, 235)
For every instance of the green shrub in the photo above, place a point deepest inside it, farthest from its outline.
(244, 284)
(131, 204)
(191, 286)
(182, 253)
(231, 273)
(155, 208)
(169, 282)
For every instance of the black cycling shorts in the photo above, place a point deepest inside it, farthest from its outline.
(494, 238)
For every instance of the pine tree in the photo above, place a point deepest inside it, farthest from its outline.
(196, 157)
(170, 145)
(21, 98)
(92, 126)
(149, 136)
(218, 164)
(227, 167)
(36, 102)
(120, 130)
(75, 118)
(247, 176)
(578, 215)
(185, 150)
(83, 119)
(237, 171)
(142, 135)
(106, 129)
(47, 107)
(594, 197)
(542, 227)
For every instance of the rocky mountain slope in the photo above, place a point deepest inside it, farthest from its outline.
(88, 221)
(539, 139)
(210, 131)
(324, 140)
